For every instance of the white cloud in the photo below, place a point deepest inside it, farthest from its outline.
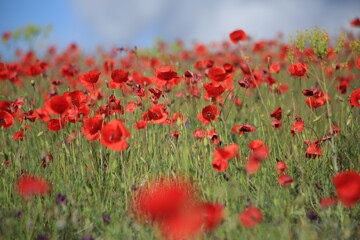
(140, 21)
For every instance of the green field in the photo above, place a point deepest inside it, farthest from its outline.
(92, 183)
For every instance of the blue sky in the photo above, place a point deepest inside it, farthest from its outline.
(139, 22)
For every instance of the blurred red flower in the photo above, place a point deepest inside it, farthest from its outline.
(241, 129)
(285, 180)
(355, 22)
(260, 152)
(326, 202)
(58, 104)
(140, 124)
(298, 69)
(355, 97)
(277, 114)
(274, 67)
(280, 167)
(89, 77)
(165, 73)
(237, 36)
(19, 135)
(173, 206)
(6, 119)
(56, 124)
(347, 186)
(223, 155)
(28, 186)
(251, 217)
(276, 124)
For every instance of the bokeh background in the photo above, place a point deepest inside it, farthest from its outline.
(138, 22)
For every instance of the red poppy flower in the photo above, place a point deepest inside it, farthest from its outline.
(315, 102)
(260, 153)
(241, 129)
(13, 108)
(34, 70)
(118, 77)
(251, 217)
(156, 114)
(223, 155)
(28, 186)
(237, 36)
(58, 104)
(131, 107)
(114, 106)
(217, 74)
(326, 202)
(89, 77)
(280, 167)
(6, 119)
(162, 198)
(6, 36)
(358, 63)
(297, 127)
(56, 124)
(92, 127)
(347, 186)
(69, 71)
(238, 102)
(174, 135)
(334, 130)
(313, 151)
(183, 225)
(78, 98)
(252, 164)
(213, 213)
(355, 97)
(213, 90)
(42, 114)
(210, 112)
(298, 69)
(156, 92)
(165, 73)
(274, 67)
(199, 134)
(189, 223)
(276, 124)
(19, 135)
(355, 22)
(342, 87)
(113, 134)
(256, 144)
(277, 114)
(203, 64)
(141, 124)
(30, 115)
(285, 180)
